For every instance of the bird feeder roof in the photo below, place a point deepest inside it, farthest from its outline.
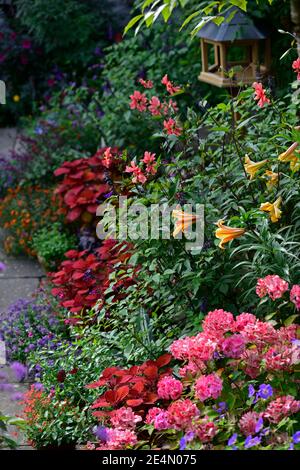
(239, 27)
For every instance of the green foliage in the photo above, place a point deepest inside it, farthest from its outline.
(6, 442)
(51, 243)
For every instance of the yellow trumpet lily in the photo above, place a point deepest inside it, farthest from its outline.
(183, 220)
(252, 167)
(226, 234)
(272, 178)
(275, 212)
(290, 156)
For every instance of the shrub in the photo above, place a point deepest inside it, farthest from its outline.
(51, 243)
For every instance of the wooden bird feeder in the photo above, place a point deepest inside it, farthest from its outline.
(236, 44)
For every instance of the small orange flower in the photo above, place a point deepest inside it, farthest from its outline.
(272, 178)
(275, 212)
(226, 234)
(290, 156)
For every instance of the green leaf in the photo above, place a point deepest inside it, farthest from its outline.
(290, 320)
(189, 18)
(242, 4)
(131, 23)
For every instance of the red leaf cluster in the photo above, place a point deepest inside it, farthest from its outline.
(84, 184)
(83, 278)
(135, 387)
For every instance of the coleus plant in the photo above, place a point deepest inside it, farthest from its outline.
(135, 387)
(86, 183)
(82, 279)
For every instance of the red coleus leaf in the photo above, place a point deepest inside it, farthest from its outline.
(61, 171)
(163, 360)
(71, 254)
(138, 387)
(101, 402)
(101, 414)
(150, 398)
(133, 403)
(151, 372)
(74, 214)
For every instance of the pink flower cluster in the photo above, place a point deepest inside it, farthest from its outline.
(205, 430)
(169, 388)
(257, 344)
(296, 67)
(248, 423)
(295, 296)
(179, 415)
(260, 94)
(271, 285)
(281, 407)
(156, 107)
(138, 174)
(118, 439)
(208, 386)
(124, 418)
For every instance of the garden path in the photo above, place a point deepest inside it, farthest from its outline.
(19, 280)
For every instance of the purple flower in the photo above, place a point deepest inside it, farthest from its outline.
(259, 424)
(264, 391)
(39, 130)
(296, 437)
(107, 195)
(232, 440)
(38, 386)
(182, 443)
(101, 433)
(19, 370)
(251, 391)
(251, 442)
(5, 387)
(2, 267)
(17, 396)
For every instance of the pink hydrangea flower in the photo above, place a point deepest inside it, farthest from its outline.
(248, 423)
(280, 357)
(288, 333)
(208, 386)
(120, 438)
(272, 285)
(296, 67)
(171, 127)
(169, 388)
(206, 430)
(192, 368)
(260, 333)
(124, 418)
(233, 346)
(158, 418)
(260, 94)
(295, 296)
(281, 407)
(252, 359)
(243, 320)
(138, 101)
(181, 413)
(202, 347)
(218, 322)
(180, 348)
(155, 106)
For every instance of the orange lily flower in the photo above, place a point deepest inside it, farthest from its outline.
(182, 221)
(226, 234)
(252, 167)
(272, 178)
(290, 156)
(275, 212)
